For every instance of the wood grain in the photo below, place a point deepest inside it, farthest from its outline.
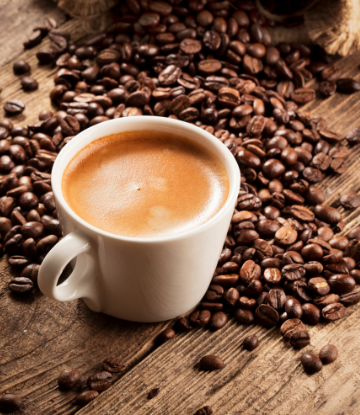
(40, 337)
(18, 18)
(269, 380)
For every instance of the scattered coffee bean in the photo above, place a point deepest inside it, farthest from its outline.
(10, 403)
(21, 285)
(14, 107)
(311, 363)
(29, 84)
(100, 381)
(68, 378)
(21, 67)
(211, 362)
(114, 365)
(164, 336)
(299, 339)
(251, 342)
(205, 410)
(244, 92)
(218, 321)
(153, 393)
(290, 326)
(328, 354)
(333, 311)
(350, 200)
(85, 397)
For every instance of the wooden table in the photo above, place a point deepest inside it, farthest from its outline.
(40, 337)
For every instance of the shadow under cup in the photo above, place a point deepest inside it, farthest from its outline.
(137, 279)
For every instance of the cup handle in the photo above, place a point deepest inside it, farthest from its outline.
(82, 282)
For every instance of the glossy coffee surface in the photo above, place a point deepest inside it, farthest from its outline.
(145, 184)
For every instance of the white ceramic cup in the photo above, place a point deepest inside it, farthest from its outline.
(137, 279)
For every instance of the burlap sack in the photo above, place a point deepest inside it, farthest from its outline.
(332, 24)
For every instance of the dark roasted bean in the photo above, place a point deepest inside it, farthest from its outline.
(10, 403)
(100, 381)
(68, 378)
(163, 337)
(311, 363)
(87, 396)
(299, 339)
(333, 311)
(211, 362)
(328, 354)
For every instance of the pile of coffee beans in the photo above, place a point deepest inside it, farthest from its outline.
(312, 363)
(212, 64)
(98, 382)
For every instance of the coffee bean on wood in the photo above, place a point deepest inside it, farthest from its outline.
(222, 74)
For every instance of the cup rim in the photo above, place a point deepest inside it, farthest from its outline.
(154, 122)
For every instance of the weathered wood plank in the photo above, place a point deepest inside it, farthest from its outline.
(17, 19)
(269, 380)
(39, 337)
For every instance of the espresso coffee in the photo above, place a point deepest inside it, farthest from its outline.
(145, 184)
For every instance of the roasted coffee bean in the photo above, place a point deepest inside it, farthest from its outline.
(353, 136)
(85, 397)
(153, 393)
(249, 272)
(244, 316)
(211, 362)
(248, 303)
(200, 318)
(68, 378)
(266, 315)
(333, 311)
(293, 272)
(311, 363)
(31, 271)
(114, 365)
(350, 298)
(251, 342)
(21, 285)
(327, 214)
(231, 296)
(28, 83)
(327, 88)
(290, 326)
(341, 283)
(100, 381)
(272, 275)
(163, 337)
(299, 339)
(10, 403)
(184, 324)
(328, 354)
(350, 200)
(276, 298)
(318, 286)
(205, 410)
(214, 293)
(21, 67)
(310, 314)
(293, 308)
(33, 230)
(18, 261)
(14, 107)
(347, 85)
(226, 280)
(218, 321)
